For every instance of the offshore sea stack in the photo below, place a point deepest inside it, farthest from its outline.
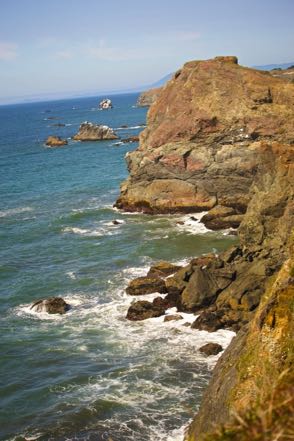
(203, 143)
(94, 132)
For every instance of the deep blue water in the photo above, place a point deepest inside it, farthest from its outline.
(90, 374)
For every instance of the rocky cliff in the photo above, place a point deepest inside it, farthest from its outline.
(220, 137)
(148, 97)
(201, 148)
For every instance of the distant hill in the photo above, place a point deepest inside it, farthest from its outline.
(162, 81)
(274, 66)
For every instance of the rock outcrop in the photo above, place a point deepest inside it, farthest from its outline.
(55, 141)
(105, 104)
(203, 142)
(148, 97)
(93, 132)
(53, 305)
(252, 369)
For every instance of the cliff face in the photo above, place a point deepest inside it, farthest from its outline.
(201, 147)
(148, 97)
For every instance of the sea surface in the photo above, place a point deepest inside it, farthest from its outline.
(89, 374)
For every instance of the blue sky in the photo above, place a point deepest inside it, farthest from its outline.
(64, 47)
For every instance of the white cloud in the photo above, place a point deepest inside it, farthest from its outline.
(8, 51)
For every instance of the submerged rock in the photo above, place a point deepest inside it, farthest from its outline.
(211, 349)
(55, 141)
(93, 132)
(53, 305)
(146, 285)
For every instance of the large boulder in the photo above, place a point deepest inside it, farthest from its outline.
(143, 310)
(93, 132)
(146, 285)
(55, 141)
(211, 349)
(53, 305)
(163, 269)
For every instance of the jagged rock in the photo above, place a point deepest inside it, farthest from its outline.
(171, 318)
(105, 104)
(143, 310)
(163, 269)
(212, 320)
(258, 359)
(92, 132)
(53, 305)
(209, 152)
(148, 97)
(211, 349)
(55, 141)
(146, 285)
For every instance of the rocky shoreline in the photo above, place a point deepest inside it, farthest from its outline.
(220, 137)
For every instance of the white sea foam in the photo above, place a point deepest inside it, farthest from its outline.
(13, 211)
(192, 226)
(130, 128)
(98, 232)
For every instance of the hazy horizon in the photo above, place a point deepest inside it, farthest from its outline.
(74, 48)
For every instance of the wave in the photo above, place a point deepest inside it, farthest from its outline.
(13, 211)
(131, 127)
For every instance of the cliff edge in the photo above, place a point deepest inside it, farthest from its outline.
(201, 148)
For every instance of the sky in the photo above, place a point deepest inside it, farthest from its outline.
(62, 48)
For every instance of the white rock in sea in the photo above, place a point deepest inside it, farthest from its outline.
(105, 104)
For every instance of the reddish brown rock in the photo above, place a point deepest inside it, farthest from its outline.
(202, 145)
(148, 97)
(55, 141)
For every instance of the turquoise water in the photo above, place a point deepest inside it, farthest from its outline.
(91, 374)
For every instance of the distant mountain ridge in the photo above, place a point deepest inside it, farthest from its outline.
(274, 66)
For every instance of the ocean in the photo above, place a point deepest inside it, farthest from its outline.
(89, 374)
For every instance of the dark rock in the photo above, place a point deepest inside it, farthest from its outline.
(211, 349)
(146, 285)
(143, 310)
(53, 305)
(130, 140)
(163, 302)
(163, 269)
(116, 222)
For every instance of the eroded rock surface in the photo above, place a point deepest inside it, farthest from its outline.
(203, 141)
